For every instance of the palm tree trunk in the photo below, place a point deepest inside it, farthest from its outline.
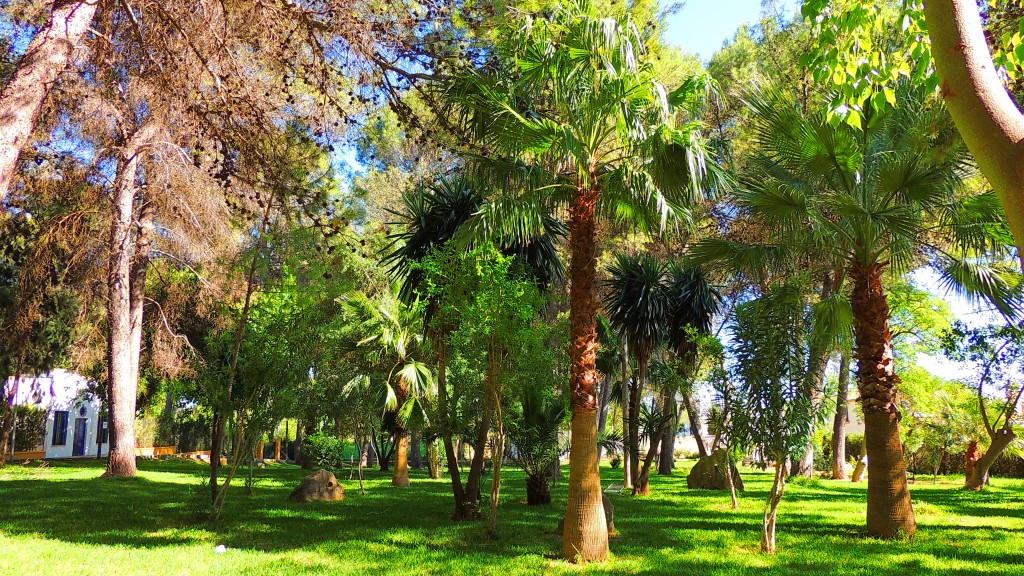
(890, 513)
(585, 535)
(47, 56)
(839, 424)
(400, 476)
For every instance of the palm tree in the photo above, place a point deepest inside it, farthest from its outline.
(390, 336)
(882, 199)
(636, 306)
(433, 215)
(569, 114)
(692, 303)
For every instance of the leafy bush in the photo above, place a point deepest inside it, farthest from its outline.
(615, 461)
(324, 450)
(30, 427)
(854, 443)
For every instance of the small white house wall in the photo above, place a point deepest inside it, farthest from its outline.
(65, 450)
(62, 390)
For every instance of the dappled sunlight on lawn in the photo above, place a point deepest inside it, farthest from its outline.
(64, 518)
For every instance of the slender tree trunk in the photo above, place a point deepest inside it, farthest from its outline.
(602, 420)
(433, 465)
(642, 486)
(771, 509)
(890, 513)
(124, 317)
(415, 451)
(585, 537)
(839, 424)
(627, 458)
(667, 456)
(694, 415)
(497, 458)
(986, 116)
(862, 464)
(1002, 438)
(732, 483)
(47, 56)
(635, 389)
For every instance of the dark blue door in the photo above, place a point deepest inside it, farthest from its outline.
(81, 429)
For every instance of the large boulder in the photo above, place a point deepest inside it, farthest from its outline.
(321, 485)
(709, 473)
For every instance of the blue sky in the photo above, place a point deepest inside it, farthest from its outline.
(702, 25)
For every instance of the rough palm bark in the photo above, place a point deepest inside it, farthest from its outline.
(585, 534)
(122, 352)
(47, 56)
(986, 116)
(839, 424)
(890, 513)
(400, 475)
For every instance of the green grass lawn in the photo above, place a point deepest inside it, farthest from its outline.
(65, 519)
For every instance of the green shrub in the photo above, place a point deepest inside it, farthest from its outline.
(615, 461)
(854, 443)
(324, 450)
(30, 427)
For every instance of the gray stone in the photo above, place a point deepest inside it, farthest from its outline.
(320, 485)
(709, 473)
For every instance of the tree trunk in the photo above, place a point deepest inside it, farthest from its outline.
(400, 477)
(627, 459)
(890, 513)
(585, 535)
(499, 455)
(47, 56)
(1003, 437)
(862, 464)
(667, 453)
(642, 486)
(538, 489)
(839, 424)
(694, 416)
(433, 465)
(636, 388)
(986, 116)
(602, 419)
(124, 317)
(731, 481)
(415, 451)
(771, 509)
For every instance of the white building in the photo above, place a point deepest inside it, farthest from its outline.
(73, 428)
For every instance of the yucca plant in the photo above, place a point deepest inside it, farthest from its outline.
(635, 303)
